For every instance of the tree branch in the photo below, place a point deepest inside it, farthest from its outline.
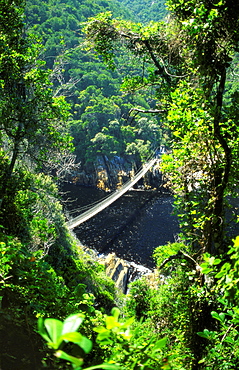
(153, 111)
(160, 69)
(181, 255)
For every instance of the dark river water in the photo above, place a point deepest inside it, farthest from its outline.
(132, 227)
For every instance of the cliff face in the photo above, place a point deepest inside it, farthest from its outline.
(109, 174)
(123, 272)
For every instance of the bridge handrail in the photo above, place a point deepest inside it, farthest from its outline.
(110, 199)
(89, 206)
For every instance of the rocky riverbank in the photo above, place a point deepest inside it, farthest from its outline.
(108, 174)
(122, 272)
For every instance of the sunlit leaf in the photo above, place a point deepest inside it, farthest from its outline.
(104, 367)
(64, 356)
(54, 328)
(206, 334)
(78, 339)
(72, 323)
(111, 322)
(42, 330)
(160, 344)
(220, 317)
(115, 312)
(103, 335)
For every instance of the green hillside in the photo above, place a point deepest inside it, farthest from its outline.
(100, 121)
(59, 21)
(145, 11)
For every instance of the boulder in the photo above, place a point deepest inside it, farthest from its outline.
(117, 269)
(123, 272)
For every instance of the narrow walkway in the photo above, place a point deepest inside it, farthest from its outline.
(111, 198)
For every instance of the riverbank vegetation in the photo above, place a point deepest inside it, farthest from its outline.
(59, 105)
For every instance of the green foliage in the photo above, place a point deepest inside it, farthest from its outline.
(38, 270)
(156, 10)
(124, 348)
(33, 201)
(192, 169)
(127, 347)
(113, 326)
(102, 129)
(192, 74)
(222, 350)
(141, 295)
(163, 310)
(33, 121)
(165, 252)
(92, 90)
(199, 23)
(30, 286)
(92, 275)
(27, 280)
(228, 274)
(58, 333)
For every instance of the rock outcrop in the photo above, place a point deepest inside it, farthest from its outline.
(108, 174)
(118, 270)
(123, 272)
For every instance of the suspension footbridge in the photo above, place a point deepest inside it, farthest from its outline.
(71, 224)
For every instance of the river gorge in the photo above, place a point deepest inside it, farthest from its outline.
(132, 227)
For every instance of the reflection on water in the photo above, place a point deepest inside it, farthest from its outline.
(132, 227)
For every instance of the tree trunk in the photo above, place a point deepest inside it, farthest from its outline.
(9, 171)
(221, 174)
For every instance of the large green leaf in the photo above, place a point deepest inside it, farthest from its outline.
(74, 360)
(220, 317)
(127, 323)
(103, 335)
(78, 339)
(54, 328)
(206, 334)
(104, 367)
(72, 323)
(115, 312)
(42, 330)
(160, 344)
(111, 322)
(85, 344)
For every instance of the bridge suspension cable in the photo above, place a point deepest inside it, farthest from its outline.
(102, 204)
(89, 206)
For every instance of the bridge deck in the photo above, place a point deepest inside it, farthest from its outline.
(110, 199)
